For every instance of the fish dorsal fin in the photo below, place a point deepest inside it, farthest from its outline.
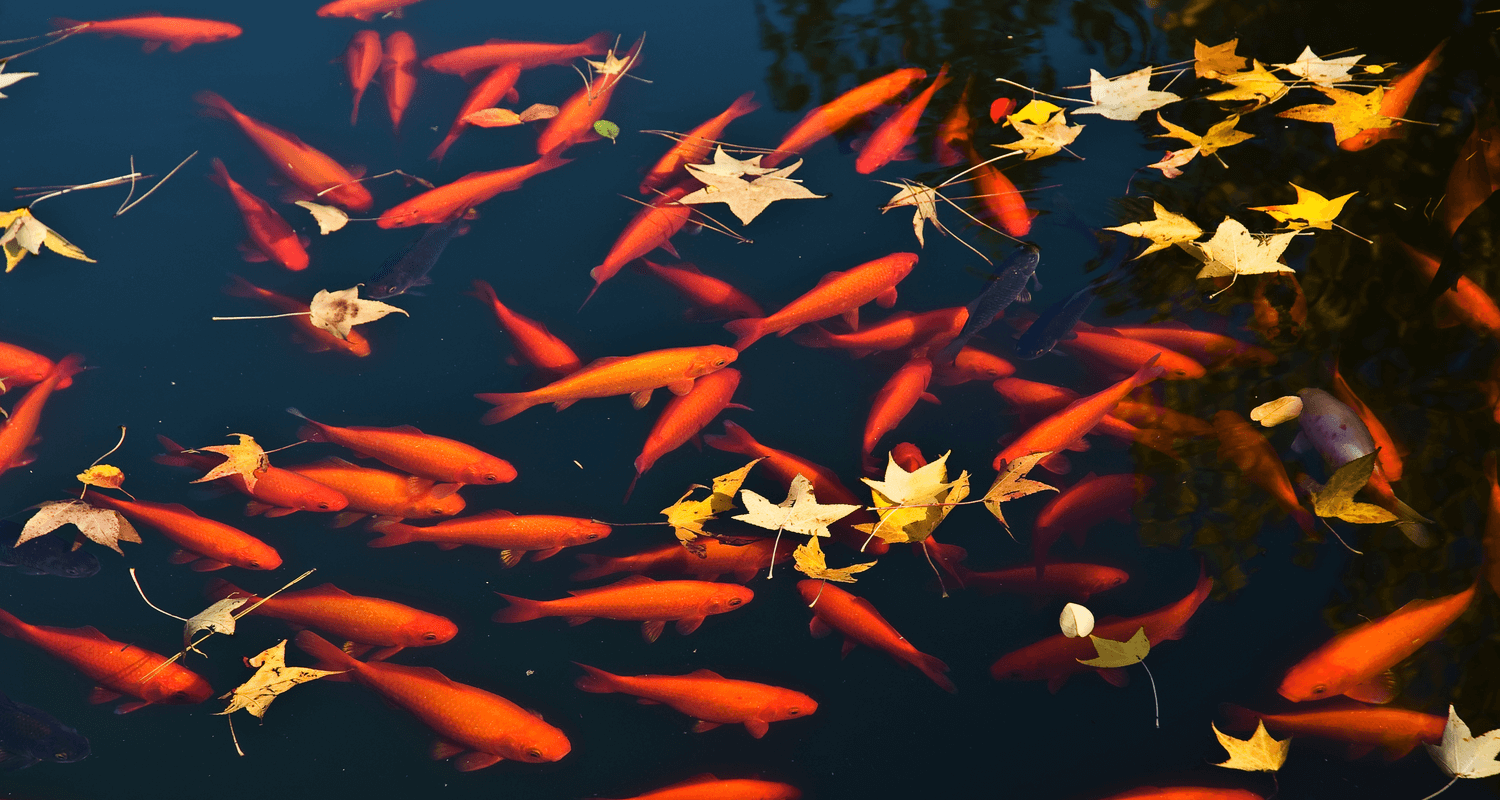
(705, 673)
(405, 429)
(829, 276)
(427, 673)
(1173, 324)
(633, 580)
(494, 513)
(602, 360)
(327, 590)
(335, 461)
(866, 605)
(696, 780)
(91, 632)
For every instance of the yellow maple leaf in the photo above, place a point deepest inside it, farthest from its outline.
(102, 475)
(1336, 499)
(1216, 61)
(687, 516)
(25, 234)
(1257, 86)
(810, 562)
(1114, 654)
(1045, 139)
(1012, 483)
(1035, 112)
(271, 679)
(1234, 251)
(1350, 113)
(911, 504)
(1164, 231)
(245, 459)
(1219, 136)
(1259, 753)
(1312, 210)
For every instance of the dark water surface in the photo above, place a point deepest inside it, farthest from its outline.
(141, 316)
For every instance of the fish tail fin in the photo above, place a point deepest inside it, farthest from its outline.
(239, 287)
(213, 105)
(220, 175)
(519, 610)
(172, 457)
(748, 331)
(10, 626)
(219, 589)
(441, 150)
(1490, 467)
(933, 667)
(552, 159)
(507, 405)
(598, 43)
(629, 490)
(391, 533)
(734, 439)
(742, 105)
(483, 292)
(68, 367)
(812, 336)
(354, 114)
(1238, 717)
(596, 681)
(593, 273)
(328, 656)
(1148, 372)
(63, 23)
(594, 566)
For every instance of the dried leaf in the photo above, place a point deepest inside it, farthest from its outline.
(1216, 61)
(100, 525)
(102, 475)
(1336, 498)
(1461, 755)
(1045, 139)
(1125, 97)
(1219, 136)
(8, 78)
(922, 198)
(927, 486)
(1173, 159)
(1164, 231)
(1323, 72)
(337, 312)
(217, 618)
(493, 118)
(1114, 654)
(245, 459)
(1259, 753)
(1274, 412)
(810, 562)
(1256, 86)
(687, 516)
(1350, 113)
(272, 678)
(1012, 484)
(1035, 112)
(731, 167)
(1234, 251)
(24, 234)
(329, 218)
(746, 199)
(800, 512)
(537, 111)
(1312, 210)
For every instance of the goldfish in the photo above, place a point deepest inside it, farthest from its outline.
(1212, 350)
(120, 669)
(1185, 793)
(1283, 316)
(685, 416)
(838, 293)
(177, 33)
(18, 430)
(1124, 354)
(1393, 104)
(637, 375)
(1033, 399)
(1005, 286)
(740, 561)
(452, 200)
(479, 727)
(313, 338)
(44, 555)
(896, 134)
(30, 736)
(364, 620)
(708, 697)
(382, 493)
(1083, 505)
(651, 227)
(972, 364)
(1390, 454)
(893, 402)
(271, 238)
(529, 55)
(1146, 413)
(410, 450)
(837, 610)
(1067, 426)
(206, 544)
(1354, 662)
(711, 297)
(313, 171)
(277, 492)
(21, 367)
(1490, 566)
(1468, 303)
(899, 330)
(533, 341)
(498, 85)
(637, 597)
(361, 62)
(398, 74)
(364, 10)
(708, 787)
(827, 119)
(1055, 659)
(542, 535)
(695, 146)
(575, 118)
(1000, 203)
(1394, 731)
(1475, 174)
(1076, 582)
(1250, 452)
(956, 129)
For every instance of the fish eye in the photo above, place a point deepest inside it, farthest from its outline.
(1319, 689)
(254, 564)
(490, 477)
(534, 753)
(430, 636)
(734, 601)
(63, 756)
(794, 711)
(322, 506)
(592, 536)
(720, 362)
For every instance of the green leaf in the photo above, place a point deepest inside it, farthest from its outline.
(607, 129)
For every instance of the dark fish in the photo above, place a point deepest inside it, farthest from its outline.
(1054, 324)
(47, 555)
(1007, 286)
(409, 267)
(29, 735)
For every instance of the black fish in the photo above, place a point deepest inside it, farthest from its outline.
(46, 555)
(29, 735)
(409, 267)
(1054, 324)
(1007, 286)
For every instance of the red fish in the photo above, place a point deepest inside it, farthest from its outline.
(363, 620)
(837, 610)
(1001, 203)
(1475, 174)
(364, 10)
(708, 787)
(542, 535)
(21, 367)
(1067, 426)
(398, 74)
(929, 329)
(1125, 354)
(651, 227)
(277, 492)
(893, 402)
(177, 33)
(120, 669)
(1274, 319)
(451, 201)
(637, 375)
(1083, 505)
(313, 338)
(1390, 453)
(410, 450)
(18, 431)
(574, 123)
(1033, 399)
(534, 343)
(1397, 99)
(1250, 452)
(1394, 731)
(530, 55)
(955, 131)
(1468, 302)
(637, 597)
(1147, 414)
(498, 85)
(827, 119)
(1209, 349)
(708, 697)
(271, 238)
(897, 133)
(838, 293)
(311, 170)
(382, 493)
(1354, 662)
(206, 544)
(1490, 567)
(1185, 793)
(711, 297)
(695, 146)
(972, 364)
(1055, 659)
(1076, 582)
(740, 561)
(361, 62)
(479, 727)
(685, 416)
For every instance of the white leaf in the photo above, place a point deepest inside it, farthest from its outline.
(1125, 97)
(1076, 621)
(329, 218)
(337, 312)
(217, 618)
(1463, 756)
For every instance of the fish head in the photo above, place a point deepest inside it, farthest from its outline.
(539, 743)
(438, 504)
(323, 498)
(726, 598)
(487, 471)
(1105, 578)
(79, 564)
(587, 531)
(384, 290)
(177, 685)
(352, 196)
(1314, 679)
(788, 705)
(711, 359)
(257, 555)
(61, 745)
(222, 31)
(425, 630)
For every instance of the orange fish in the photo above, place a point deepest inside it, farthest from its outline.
(542, 535)
(532, 340)
(694, 147)
(382, 493)
(740, 561)
(1208, 349)
(499, 84)
(21, 367)
(1468, 302)
(637, 597)
(530, 55)
(311, 170)
(364, 10)
(361, 62)
(685, 416)
(897, 133)
(271, 238)
(1476, 171)
(363, 620)
(929, 329)
(206, 544)
(479, 727)
(838, 293)
(708, 697)
(1390, 453)
(1125, 354)
(837, 610)
(955, 131)
(1354, 662)
(893, 402)
(574, 123)
(1033, 399)
(1397, 99)
(398, 74)
(277, 492)
(708, 787)
(1146, 413)
(637, 376)
(1283, 316)
(18, 430)
(1491, 539)
(1000, 202)
(711, 297)
(451, 201)
(1076, 582)
(1394, 731)
(1185, 793)
(1083, 505)
(177, 33)
(410, 450)
(1067, 426)
(972, 364)
(120, 669)
(1055, 659)
(651, 227)
(1257, 460)
(827, 119)
(313, 338)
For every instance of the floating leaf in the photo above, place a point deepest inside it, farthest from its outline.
(337, 312)
(1125, 97)
(1312, 210)
(272, 678)
(217, 618)
(810, 562)
(607, 129)
(1219, 136)
(493, 118)
(103, 476)
(1164, 231)
(1321, 71)
(24, 234)
(8, 78)
(245, 459)
(1336, 499)
(1076, 621)
(687, 516)
(1118, 654)
(1350, 113)
(1012, 484)
(730, 167)
(927, 489)
(329, 218)
(100, 525)
(1274, 412)
(1216, 61)
(1234, 251)
(800, 512)
(1259, 753)
(1461, 754)
(1048, 138)
(746, 199)
(1257, 86)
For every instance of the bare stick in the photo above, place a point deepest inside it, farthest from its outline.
(232, 736)
(60, 35)
(408, 176)
(131, 193)
(149, 603)
(1044, 94)
(268, 316)
(1446, 786)
(772, 569)
(1154, 699)
(180, 164)
(939, 575)
(95, 185)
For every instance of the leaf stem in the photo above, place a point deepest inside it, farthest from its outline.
(124, 207)
(1445, 788)
(1155, 699)
(148, 602)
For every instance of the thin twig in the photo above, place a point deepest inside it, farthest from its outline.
(149, 603)
(107, 182)
(819, 595)
(1444, 789)
(267, 316)
(123, 209)
(1154, 698)
(61, 35)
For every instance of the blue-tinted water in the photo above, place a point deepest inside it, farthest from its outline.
(141, 316)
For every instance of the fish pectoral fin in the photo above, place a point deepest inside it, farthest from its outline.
(135, 705)
(1300, 444)
(1056, 682)
(849, 644)
(180, 556)
(680, 388)
(851, 318)
(638, 400)
(651, 630)
(757, 727)
(384, 653)
(1380, 689)
(562, 405)
(442, 748)
(930, 397)
(468, 762)
(687, 625)
(705, 673)
(541, 555)
(510, 558)
(344, 519)
(206, 564)
(1359, 750)
(818, 628)
(447, 545)
(646, 701)
(670, 248)
(99, 694)
(575, 621)
(1115, 676)
(887, 298)
(703, 725)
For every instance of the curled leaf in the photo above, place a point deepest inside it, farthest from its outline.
(1076, 621)
(1274, 412)
(1118, 654)
(810, 562)
(271, 679)
(329, 218)
(102, 475)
